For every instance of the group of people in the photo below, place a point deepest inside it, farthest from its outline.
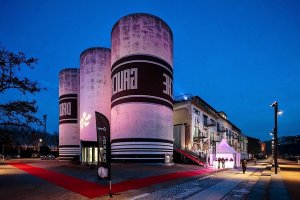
(223, 160)
(243, 163)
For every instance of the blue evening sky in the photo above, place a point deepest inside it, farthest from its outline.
(239, 56)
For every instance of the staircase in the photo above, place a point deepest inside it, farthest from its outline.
(190, 156)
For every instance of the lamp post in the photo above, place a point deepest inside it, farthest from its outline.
(275, 105)
(39, 145)
(3, 152)
(45, 119)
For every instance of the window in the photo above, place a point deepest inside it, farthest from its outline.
(205, 119)
(196, 132)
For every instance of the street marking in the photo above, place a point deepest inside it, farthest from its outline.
(140, 196)
(205, 177)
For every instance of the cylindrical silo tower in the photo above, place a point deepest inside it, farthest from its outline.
(69, 141)
(142, 84)
(95, 95)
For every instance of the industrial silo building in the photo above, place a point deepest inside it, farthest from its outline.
(95, 95)
(142, 89)
(69, 142)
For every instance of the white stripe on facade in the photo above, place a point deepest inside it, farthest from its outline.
(139, 158)
(149, 96)
(142, 146)
(142, 143)
(146, 61)
(145, 152)
(68, 98)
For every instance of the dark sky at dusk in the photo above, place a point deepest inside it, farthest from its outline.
(239, 56)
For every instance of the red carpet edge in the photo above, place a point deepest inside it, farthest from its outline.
(93, 190)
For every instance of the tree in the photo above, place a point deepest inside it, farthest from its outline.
(254, 146)
(17, 112)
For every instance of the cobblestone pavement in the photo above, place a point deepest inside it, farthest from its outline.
(188, 189)
(228, 184)
(244, 188)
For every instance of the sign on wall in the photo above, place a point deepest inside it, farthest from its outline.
(132, 81)
(104, 147)
(68, 108)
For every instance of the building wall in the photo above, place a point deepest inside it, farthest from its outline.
(95, 95)
(202, 138)
(142, 80)
(68, 113)
(95, 89)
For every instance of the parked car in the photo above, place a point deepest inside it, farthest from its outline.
(51, 157)
(48, 157)
(16, 156)
(35, 155)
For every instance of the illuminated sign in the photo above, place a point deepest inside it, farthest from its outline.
(85, 120)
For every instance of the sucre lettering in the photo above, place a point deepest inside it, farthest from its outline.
(167, 85)
(65, 109)
(125, 80)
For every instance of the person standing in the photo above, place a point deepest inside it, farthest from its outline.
(223, 162)
(244, 165)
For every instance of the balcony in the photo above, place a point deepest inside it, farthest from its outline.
(221, 129)
(209, 123)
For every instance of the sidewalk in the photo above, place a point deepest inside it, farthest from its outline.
(237, 186)
(220, 190)
(257, 183)
(270, 186)
(150, 182)
(223, 184)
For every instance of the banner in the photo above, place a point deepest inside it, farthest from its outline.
(104, 148)
(132, 81)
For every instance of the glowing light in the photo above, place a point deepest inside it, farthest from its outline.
(185, 97)
(280, 112)
(84, 121)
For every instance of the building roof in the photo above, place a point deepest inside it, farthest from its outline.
(200, 102)
(224, 147)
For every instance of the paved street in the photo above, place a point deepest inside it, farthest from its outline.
(258, 182)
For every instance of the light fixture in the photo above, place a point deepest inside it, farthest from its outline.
(85, 120)
(275, 104)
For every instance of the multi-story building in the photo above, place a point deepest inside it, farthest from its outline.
(199, 128)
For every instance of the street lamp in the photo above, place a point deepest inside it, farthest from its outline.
(275, 106)
(39, 145)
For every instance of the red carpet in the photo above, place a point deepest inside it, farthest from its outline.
(91, 189)
(190, 157)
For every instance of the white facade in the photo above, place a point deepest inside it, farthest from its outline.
(69, 141)
(95, 95)
(205, 128)
(95, 89)
(142, 102)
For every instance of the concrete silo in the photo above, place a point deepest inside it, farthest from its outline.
(69, 141)
(95, 95)
(142, 87)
